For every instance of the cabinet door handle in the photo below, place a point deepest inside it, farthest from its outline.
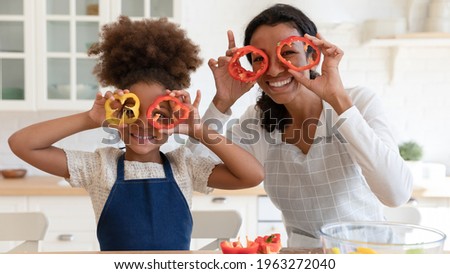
(66, 237)
(219, 200)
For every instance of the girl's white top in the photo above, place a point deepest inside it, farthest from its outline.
(97, 172)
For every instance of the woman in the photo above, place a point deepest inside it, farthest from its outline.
(327, 151)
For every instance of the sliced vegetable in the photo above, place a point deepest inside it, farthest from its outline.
(269, 244)
(239, 73)
(363, 250)
(335, 250)
(126, 113)
(262, 245)
(237, 248)
(167, 117)
(286, 45)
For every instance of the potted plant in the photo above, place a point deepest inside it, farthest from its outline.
(412, 153)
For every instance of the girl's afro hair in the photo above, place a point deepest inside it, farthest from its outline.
(149, 50)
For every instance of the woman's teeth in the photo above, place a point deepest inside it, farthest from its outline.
(280, 83)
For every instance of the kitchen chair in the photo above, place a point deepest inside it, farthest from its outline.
(26, 227)
(220, 225)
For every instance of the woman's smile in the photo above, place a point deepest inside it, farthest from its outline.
(279, 83)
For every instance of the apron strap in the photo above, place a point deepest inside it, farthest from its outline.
(120, 168)
(167, 167)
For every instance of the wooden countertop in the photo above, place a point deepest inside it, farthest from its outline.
(285, 250)
(54, 186)
(38, 186)
(433, 189)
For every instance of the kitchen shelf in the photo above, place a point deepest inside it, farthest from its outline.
(418, 39)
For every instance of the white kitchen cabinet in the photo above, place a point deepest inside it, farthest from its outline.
(245, 205)
(435, 213)
(72, 225)
(17, 52)
(43, 48)
(270, 219)
(11, 204)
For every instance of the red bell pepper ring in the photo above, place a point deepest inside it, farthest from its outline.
(238, 72)
(262, 245)
(127, 113)
(155, 117)
(313, 60)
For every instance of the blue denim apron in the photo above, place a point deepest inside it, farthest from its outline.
(145, 214)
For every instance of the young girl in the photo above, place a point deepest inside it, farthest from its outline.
(140, 196)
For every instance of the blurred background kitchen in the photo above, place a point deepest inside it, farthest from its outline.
(399, 48)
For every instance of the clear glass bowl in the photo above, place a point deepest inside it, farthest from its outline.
(380, 237)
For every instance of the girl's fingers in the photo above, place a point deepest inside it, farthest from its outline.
(109, 95)
(182, 95)
(198, 97)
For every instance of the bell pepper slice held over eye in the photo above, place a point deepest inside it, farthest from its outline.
(176, 112)
(238, 72)
(126, 113)
(313, 58)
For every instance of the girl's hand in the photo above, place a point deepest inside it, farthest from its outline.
(192, 124)
(228, 89)
(97, 112)
(328, 85)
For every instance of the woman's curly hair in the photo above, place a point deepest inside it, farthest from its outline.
(149, 50)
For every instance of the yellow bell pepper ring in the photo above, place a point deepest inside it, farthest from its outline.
(127, 113)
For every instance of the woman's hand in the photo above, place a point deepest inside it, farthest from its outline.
(328, 85)
(229, 90)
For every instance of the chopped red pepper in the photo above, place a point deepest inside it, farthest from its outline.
(238, 72)
(313, 58)
(177, 112)
(262, 245)
(237, 248)
(269, 244)
(127, 113)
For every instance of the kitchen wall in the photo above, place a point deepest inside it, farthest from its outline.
(413, 80)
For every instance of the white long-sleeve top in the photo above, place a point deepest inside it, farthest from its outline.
(352, 168)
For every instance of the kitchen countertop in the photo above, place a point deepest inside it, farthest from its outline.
(285, 250)
(53, 186)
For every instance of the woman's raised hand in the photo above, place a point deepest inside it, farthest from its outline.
(228, 89)
(328, 85)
